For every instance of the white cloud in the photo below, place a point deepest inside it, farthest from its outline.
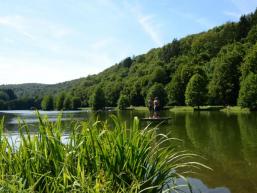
(147, 22)
(35, 28)
(37, 35)
(16, 22)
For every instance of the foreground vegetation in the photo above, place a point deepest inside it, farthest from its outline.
(96, 157)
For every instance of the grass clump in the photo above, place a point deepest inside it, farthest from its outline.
(235, 109)
(95, 158)
(182, 109)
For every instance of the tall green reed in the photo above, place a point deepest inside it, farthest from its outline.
(96, 158)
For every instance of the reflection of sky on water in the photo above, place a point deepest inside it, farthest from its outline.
(14, 139)
(15, 117)
(31, 120)
(28, 112)
(199, 187)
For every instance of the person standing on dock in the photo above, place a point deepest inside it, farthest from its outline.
(156, 104)
(151, 107)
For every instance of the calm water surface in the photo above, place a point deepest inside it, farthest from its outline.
(227, 141)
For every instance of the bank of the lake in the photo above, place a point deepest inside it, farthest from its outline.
(235, 109)
(232, 109)
(228, 109)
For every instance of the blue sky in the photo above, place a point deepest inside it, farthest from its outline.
(50, 41)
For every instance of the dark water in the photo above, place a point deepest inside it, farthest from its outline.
(227, 141)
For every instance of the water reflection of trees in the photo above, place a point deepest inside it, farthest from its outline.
(229, 143)
(248, 131)
(7, 119)
(177, 129)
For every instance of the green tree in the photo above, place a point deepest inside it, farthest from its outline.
(59, 101)
(250, 62)
(135, 95)
(75, 103)
(67, 104)
(23, 103)
(127, 62)
(244, 26)
(175, 91)
(112, 93)
(10, 94)
(169, 51)
(208, 43)
(37, 102)
(248, 92)
(157, 90)
(47, 103)
(224, 85)
(97, 100)
(252, 35)
(176, 88)
(196, 91)
(228, 33)
(4, 96)
(159, 75)
(2, 105)
(123, 102)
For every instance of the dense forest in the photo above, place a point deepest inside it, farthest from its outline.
(217, 67)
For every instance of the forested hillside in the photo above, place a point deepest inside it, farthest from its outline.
(30, 95)
(217, 67)
(33, 89)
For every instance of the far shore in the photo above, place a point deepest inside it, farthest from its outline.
(227, 109)
(176, 109)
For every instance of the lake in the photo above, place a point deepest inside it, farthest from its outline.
(227, 141)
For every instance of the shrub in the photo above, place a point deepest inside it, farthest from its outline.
(67, 104)
(98, 99)
(195, 94)
(59, 101)
(123, 102)
(47, 103)
(75, 103)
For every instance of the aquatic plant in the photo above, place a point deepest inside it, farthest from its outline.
(98, 157)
